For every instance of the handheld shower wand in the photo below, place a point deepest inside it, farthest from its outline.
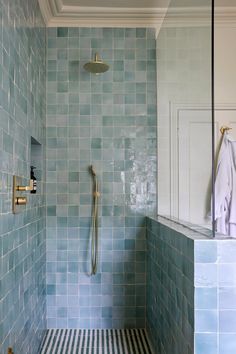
(94, 228)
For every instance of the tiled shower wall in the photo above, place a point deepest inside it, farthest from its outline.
(22, 236)
(170, 289)
(109, 121)
(191, 287)
(215, 301)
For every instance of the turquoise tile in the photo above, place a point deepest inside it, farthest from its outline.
(51, 210)
(22, 115)
(84, 109)
(99, 120)
(141, 32)
(62, 87)
(96, 143)
(74, 32)
(62, 32)
(73, 176)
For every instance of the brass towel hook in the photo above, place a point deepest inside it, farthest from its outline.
(224, 129)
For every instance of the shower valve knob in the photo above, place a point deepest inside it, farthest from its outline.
(20, 200)
(96, 194)
(25, 188)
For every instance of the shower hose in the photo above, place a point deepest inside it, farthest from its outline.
(94, 231)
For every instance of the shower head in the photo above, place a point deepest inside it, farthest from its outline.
(97, 66)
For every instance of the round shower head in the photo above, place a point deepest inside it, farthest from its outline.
(97, 66)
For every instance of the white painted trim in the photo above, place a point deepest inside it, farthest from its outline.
(57, 14)
(102, 23)
(225, 16)
(174, 110)
(200, 16)
(109, 18)
(113, 11)
(45, 10)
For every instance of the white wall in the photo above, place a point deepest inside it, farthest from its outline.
(184, 79)
(225, 65)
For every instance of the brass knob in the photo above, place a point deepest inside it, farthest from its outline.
(20, 200)
(26, 188)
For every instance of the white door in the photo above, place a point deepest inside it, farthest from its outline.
(194, 161)
(194, 166)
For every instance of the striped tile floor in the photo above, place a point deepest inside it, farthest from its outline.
(95, 341)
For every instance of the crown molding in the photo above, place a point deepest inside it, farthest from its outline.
(46, 10)
(200, 17)
(225, 16)
(56, 14)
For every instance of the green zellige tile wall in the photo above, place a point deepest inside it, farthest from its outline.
(22, 236)
(109, 121)
(170, 288)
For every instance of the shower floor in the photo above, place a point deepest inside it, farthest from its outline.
(95, 341)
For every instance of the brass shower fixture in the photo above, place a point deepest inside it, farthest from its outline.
(17, 198)
(96, 66)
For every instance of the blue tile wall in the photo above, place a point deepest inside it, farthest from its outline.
(215, 290)
(109, 121)
(22, 236)
(191, 290)
(170, 289)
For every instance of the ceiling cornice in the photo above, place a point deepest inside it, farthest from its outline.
(225, 16)
(56, 14)
(200, 17)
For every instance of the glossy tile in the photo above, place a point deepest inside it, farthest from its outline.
(22, 236)
(108, 121)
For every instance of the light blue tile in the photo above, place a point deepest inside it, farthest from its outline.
(205, 252)
(226, 252)
(227, 321)
(206, 321)
(205, 343)
(227, 344)
(227, 298)
(93, 110)
(227, 276)
(206, 298)
(205, 275)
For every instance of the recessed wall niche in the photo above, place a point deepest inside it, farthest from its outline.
(37, 161)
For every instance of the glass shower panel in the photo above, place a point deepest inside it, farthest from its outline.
(225, 117)
(184, 57)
